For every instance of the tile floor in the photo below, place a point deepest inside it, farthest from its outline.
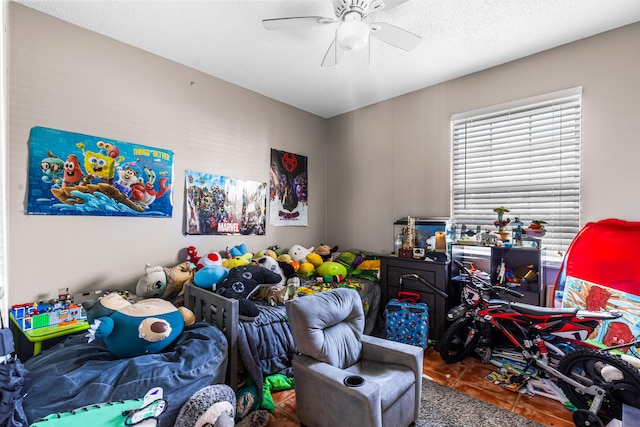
(467, 376)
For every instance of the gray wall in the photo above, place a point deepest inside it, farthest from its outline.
(392, 159)
(64, 77)
(367, 168)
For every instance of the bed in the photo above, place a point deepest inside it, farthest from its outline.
(74, 373)
(264, 346)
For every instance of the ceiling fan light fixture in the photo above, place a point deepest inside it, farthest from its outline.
(353, 33)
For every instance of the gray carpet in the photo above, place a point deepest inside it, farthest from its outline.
(445, 407)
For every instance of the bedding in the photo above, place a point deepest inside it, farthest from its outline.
(75, 373)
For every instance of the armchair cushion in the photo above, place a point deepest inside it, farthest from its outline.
(328, 326)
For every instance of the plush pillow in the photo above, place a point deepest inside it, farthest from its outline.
(242, 282)
(130, 330)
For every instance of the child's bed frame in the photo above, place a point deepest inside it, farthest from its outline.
(221, 312)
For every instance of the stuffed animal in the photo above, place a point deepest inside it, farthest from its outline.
(315, 259)
(210, 271)
(163, 282)
(242, 281)
(325, 251)
(272, 251)
(207, 406)
(331, 268)
(273, 265)
(276, 249)
(237, 261)
(282, 291)
(238, 250)
(192, 255)
(299, 253)
(306, 270)
(130, 330)
(284, 258)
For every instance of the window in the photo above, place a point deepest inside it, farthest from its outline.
(525, 157)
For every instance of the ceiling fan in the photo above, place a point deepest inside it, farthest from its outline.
(353, 33)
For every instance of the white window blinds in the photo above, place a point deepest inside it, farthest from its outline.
(525, 158)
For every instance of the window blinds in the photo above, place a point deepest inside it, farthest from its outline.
(525, 158)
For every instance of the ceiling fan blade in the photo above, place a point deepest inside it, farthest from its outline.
(395, 36)
(333, 55)
(296, 22)
(390, 4)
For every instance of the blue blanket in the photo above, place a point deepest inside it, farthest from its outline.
(265, 344)
(74, 373)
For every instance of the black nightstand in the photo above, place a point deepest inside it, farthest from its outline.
(436, 273)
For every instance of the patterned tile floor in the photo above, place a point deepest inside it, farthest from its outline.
(467, 376)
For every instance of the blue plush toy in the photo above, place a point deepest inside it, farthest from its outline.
(130, 330)
(210, 271)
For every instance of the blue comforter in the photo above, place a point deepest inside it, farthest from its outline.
(74, 373)
(266, 344)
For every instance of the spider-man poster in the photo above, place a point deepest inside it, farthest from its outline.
(288, 192)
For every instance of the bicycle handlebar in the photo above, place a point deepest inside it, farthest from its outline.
(424, 281)
(484, 285)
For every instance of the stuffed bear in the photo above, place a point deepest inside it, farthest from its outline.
(244, 280)
(130, 330)
(163, 282)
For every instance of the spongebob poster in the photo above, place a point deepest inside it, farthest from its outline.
(75, 174)
(222, 205)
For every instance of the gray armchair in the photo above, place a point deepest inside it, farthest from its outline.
(346, 378)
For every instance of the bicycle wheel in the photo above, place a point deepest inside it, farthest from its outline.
(459, 340)
(620, 381)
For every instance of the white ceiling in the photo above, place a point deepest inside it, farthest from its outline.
(226, 39)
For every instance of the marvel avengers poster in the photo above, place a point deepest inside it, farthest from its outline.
(288, 193)
(222, 205)
(75, 174)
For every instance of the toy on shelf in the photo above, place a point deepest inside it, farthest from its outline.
(536, 228)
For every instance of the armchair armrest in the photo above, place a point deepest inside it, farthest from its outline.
(360, 405)
(382, 350)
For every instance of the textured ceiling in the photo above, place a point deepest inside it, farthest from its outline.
(226, 39)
